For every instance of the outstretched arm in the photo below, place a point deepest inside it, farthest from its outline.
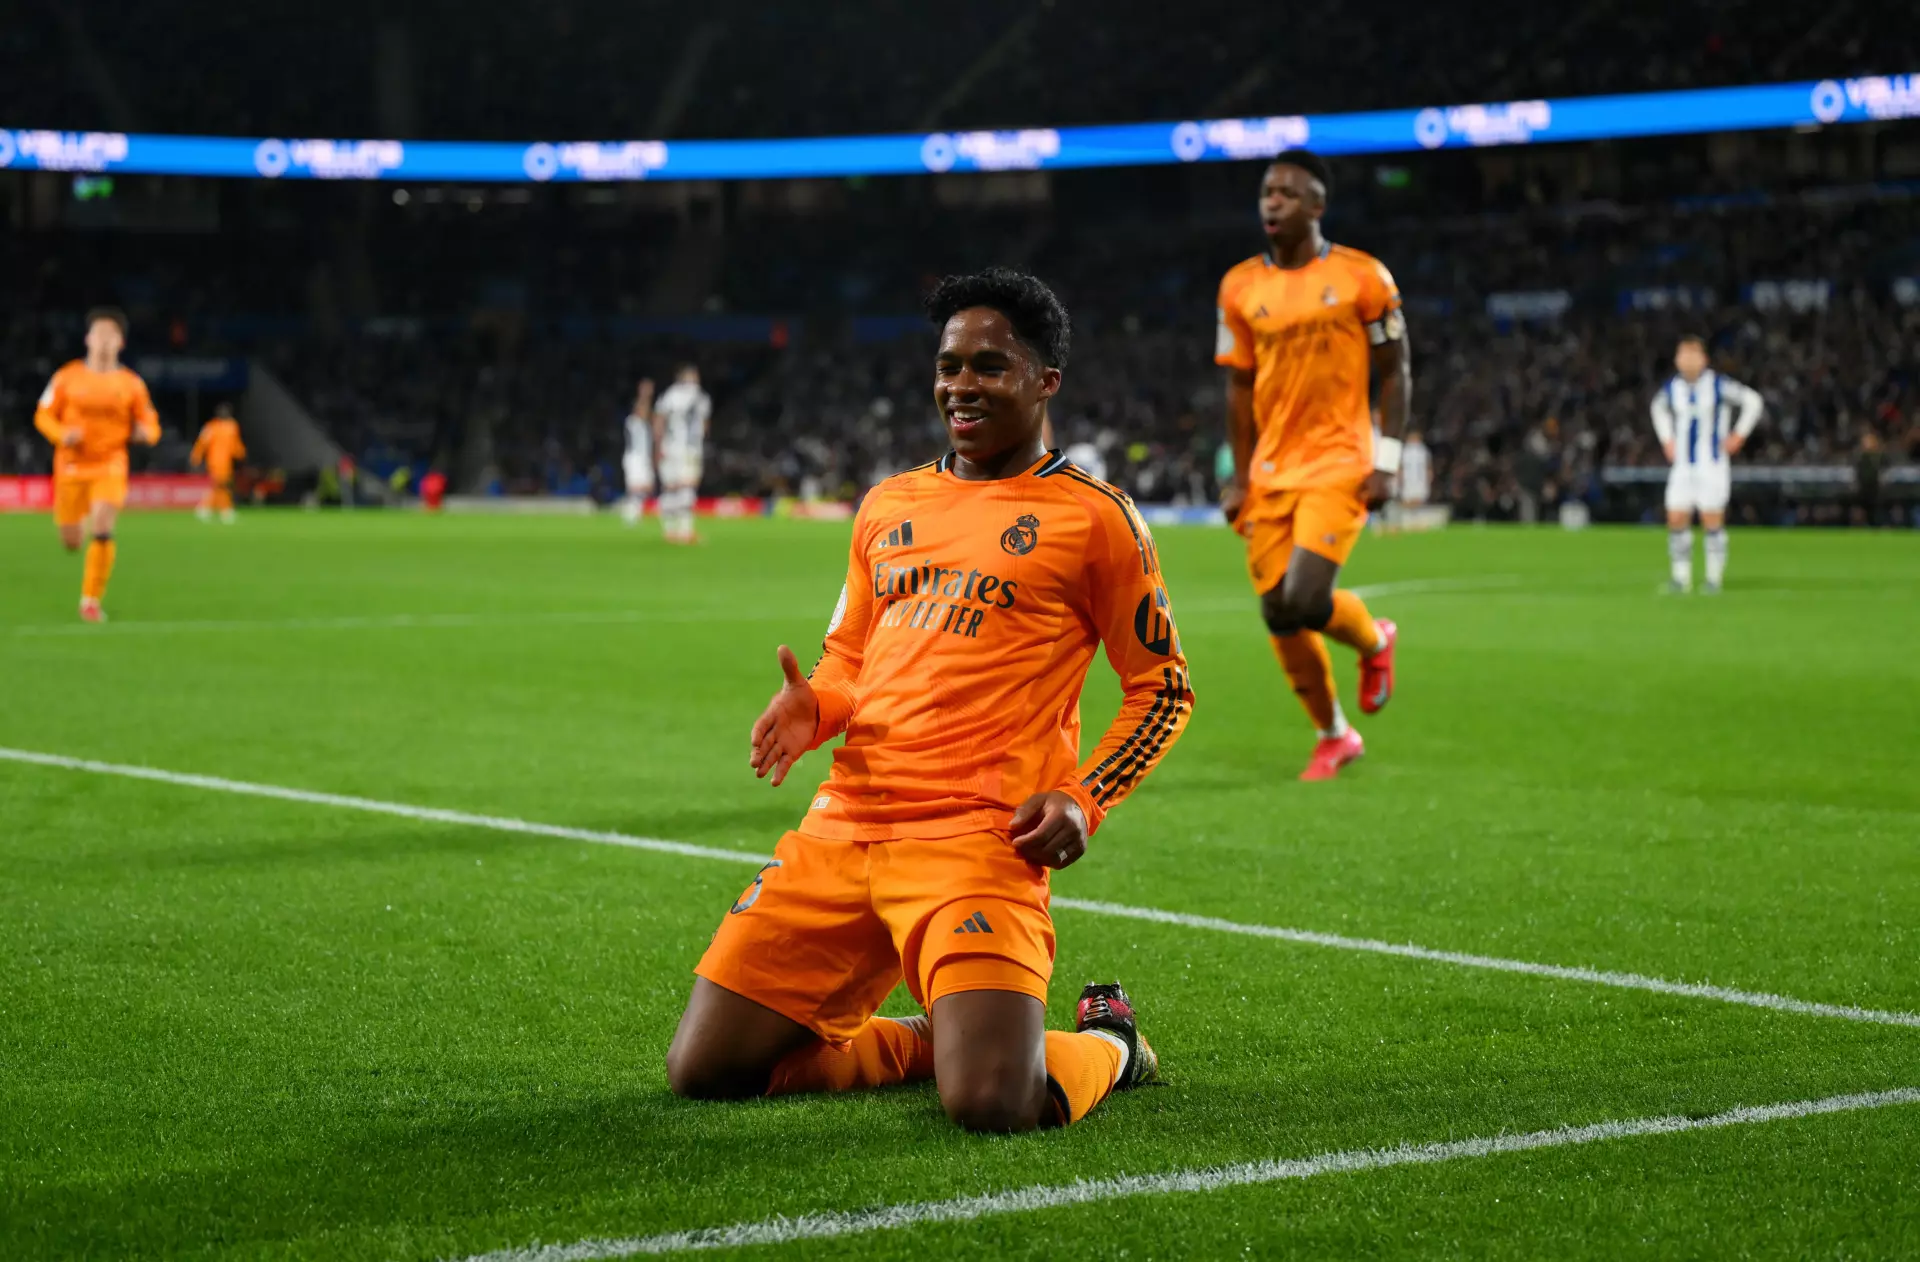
(1130, 607)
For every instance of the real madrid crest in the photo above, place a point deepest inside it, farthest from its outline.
(1021, 537)
(1329, 297)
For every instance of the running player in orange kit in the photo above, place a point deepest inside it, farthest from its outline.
(217, 448)
(1302, 329)
(89, 411)
(978, 587)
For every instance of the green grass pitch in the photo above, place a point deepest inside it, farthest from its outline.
(234, 1027)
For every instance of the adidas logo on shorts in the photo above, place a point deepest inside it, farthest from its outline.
(976, 923)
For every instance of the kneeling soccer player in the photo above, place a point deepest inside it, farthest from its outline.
(977, 589)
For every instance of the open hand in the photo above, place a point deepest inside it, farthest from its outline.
(1049, 830)
(785, 729)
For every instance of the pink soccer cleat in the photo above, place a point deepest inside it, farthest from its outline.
(1333, 753)
(1376, 672)
(90, 610)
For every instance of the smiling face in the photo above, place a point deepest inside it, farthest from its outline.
(1291, 202)
(990, 387)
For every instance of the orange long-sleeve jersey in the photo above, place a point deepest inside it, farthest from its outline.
(219, 446)
(955, 658)
(1305, 334)
(106, 408)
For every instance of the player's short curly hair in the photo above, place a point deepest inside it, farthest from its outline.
(1312, 163)
(114, 314)
(1038, 317)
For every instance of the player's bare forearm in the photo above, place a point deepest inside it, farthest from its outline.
(1239, 438)
(1240, 422)
(1393, 365)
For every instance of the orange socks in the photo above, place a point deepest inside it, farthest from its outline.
(93, 581)
(1303, 655)
(885, 1052)
(1081, 1069)
(1352, 625)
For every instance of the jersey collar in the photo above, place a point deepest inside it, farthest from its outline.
(1326, 248)
(1045, 467)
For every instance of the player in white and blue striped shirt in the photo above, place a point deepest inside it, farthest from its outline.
(1702, 418)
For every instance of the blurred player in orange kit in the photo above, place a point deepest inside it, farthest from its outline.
(978, 587)
(217, 448)
(1302, 329)
(89, 412)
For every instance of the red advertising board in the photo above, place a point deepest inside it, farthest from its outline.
(145, 490)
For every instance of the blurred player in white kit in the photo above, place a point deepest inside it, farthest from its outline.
(1415, 485)
(1702, 419)
(681, 427)
(637, 463)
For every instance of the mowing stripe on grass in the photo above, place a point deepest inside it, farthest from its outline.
(1308, 937)
(623, 617)
(827, 1226)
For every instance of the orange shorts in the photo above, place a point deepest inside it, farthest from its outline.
(828, 928)
(76, 492)
(1325, 520)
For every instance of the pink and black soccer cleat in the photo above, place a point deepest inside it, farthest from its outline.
(1376, 672)
(1105, 1007)
(90, 610)
(1333, 753)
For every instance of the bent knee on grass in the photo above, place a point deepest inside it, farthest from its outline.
(692, 1074)
(989, 1050)
(995, 1101)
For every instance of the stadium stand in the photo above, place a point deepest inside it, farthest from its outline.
(659, 70)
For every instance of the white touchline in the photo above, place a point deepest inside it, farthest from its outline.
(825, 1226)
(1307, 937)
(499, 823)
(1407, 950)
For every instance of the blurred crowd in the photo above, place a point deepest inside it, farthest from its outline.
(1521, 412)
(656, 69)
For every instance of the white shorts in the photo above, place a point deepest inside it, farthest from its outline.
(639, 474)
(1698, 488)
(680, 468)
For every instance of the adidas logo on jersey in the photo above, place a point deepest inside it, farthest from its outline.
(976, 923)
(900, 536)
